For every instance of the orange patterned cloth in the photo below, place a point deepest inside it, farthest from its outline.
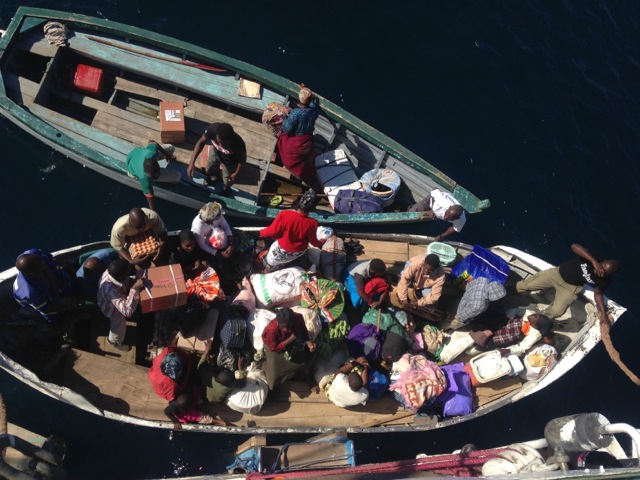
(206, 286)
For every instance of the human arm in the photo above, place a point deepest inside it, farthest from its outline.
(358, 280)
(533, 337)
(197, 149)
(167, 155)
(587, 255)
(446, 233)
(601, 308)
(125, 305)
(435, 293)
(151, 200)
(170, 411)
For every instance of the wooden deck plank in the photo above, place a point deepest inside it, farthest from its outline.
(125, 389)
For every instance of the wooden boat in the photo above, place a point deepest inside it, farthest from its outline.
(28, 455)
(139, 70)
(588, 447)
(95, 377)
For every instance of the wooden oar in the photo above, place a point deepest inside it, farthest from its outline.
(159, 57)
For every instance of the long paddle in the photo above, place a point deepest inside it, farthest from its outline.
(159, 57)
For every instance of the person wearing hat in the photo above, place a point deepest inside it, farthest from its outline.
(142, 164)
(519, 334)
(478, 295)
(295, 142)
(420, 285)
(293, 231)
(227, 156)
(213, 233)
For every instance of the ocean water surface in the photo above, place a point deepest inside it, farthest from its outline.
(533, 105)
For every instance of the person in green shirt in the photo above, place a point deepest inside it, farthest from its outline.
(142, 164)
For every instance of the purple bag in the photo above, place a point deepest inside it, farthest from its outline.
(364, 341)
(357, 201)
(457, 398)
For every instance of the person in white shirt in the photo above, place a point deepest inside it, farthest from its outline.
(442, 206)
(347, 387)
(206, 224)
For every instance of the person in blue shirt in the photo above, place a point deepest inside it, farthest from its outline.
(91, 270)
(295, 144)
(44, 285)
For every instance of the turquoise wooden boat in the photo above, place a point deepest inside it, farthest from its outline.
(139, 70)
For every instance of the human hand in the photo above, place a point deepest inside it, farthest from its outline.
(598, 268)
(139, 259)
(311, 346)
(208, 343)
(226, 253)
(430, 214)
(138, 284)
(177, 426)
(190, 170)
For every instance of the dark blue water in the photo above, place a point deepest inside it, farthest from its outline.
(531, 104)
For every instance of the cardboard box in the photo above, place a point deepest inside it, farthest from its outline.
(165, 288)
(88, 79)
(172, 129)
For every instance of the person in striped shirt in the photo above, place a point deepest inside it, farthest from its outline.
(118, 298)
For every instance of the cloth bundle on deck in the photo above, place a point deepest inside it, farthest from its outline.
(278, 287)
(382, 182)
(323, 295)
(458, 398)
(273, 115)
(417, 380)
(251, 397)
(206, 286)
(256, 323)
(311, 321)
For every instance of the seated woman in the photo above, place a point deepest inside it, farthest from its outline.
(287, 346)
(293, 231)
(295, 142)
(170, 375)
(365, 284)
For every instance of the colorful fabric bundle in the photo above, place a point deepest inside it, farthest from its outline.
(206, 286)
(323, 295)
(273, 115)
(419, 380)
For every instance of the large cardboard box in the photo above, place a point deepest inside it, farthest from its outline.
(165, 288)
(172, 129)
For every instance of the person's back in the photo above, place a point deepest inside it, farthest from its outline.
(42, 285)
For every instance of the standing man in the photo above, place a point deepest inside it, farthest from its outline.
(118, 298)
(442, 206)
(138, 220)
(142, 163)
(569, 278)
(227, 157)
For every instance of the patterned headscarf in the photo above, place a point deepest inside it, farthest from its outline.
(305, 95)
(210, 211)
(171, 366)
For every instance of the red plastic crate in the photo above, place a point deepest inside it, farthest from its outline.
(88, 79)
